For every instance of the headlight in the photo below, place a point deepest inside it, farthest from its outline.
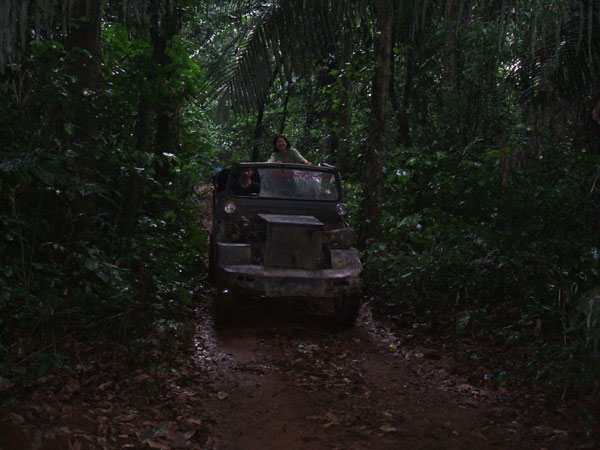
(346, 237)
(341, 209)
(229, 207)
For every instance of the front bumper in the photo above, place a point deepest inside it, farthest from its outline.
(281, 282)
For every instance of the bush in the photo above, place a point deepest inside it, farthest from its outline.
(464, 225)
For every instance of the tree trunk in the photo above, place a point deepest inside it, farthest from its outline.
(85, 35)
(83, 41)
(326, 114)
(345, 116)
(259, 128)
(449, 58)
(258, 131)
(400, 108)
(84, 44)
(406, 94)
(168, 112)
(134, 194)
(284, 112)
(310, 117)
(374, 153)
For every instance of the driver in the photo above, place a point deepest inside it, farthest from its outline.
(245, 185)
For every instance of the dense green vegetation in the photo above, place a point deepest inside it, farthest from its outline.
(468, 131)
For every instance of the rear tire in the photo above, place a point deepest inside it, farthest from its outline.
(346, 309)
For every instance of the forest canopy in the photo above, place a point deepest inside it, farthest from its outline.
(468, 133)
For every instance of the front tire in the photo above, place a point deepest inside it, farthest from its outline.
(211, 259)
(346, 309)
(225, 305)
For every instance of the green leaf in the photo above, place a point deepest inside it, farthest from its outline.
(43, 175)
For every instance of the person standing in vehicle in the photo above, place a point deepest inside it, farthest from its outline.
(283, 152)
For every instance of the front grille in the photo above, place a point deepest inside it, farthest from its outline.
(293, 242)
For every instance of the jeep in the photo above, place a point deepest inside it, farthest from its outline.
(280, 230)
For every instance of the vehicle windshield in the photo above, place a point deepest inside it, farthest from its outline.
(284, 183)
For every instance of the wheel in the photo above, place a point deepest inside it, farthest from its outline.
(211, 259)
(225, 305)
(346, 309)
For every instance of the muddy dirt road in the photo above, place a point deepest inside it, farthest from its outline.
(285, 378)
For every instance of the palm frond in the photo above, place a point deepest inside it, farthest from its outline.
(570, 57)
(294, 35)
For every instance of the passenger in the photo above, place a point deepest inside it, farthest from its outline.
(245, 185)
(283, 152)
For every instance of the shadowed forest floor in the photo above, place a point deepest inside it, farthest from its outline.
(286, 377)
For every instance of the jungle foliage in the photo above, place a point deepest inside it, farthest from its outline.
(468, 131)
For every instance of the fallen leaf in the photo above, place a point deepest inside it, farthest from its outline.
(73, 385)
(314, 417)
(466, 387)
(331, 417)
(158, 445)
(178, 440)
(125, 418)
(189, 434)
(105, 385)
(387, 428)
(142, 377)
(479, 435)
(327, 425)
(222, 395)
(150, 424)
(193, 420)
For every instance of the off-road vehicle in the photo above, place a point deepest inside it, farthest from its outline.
(279, 230)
